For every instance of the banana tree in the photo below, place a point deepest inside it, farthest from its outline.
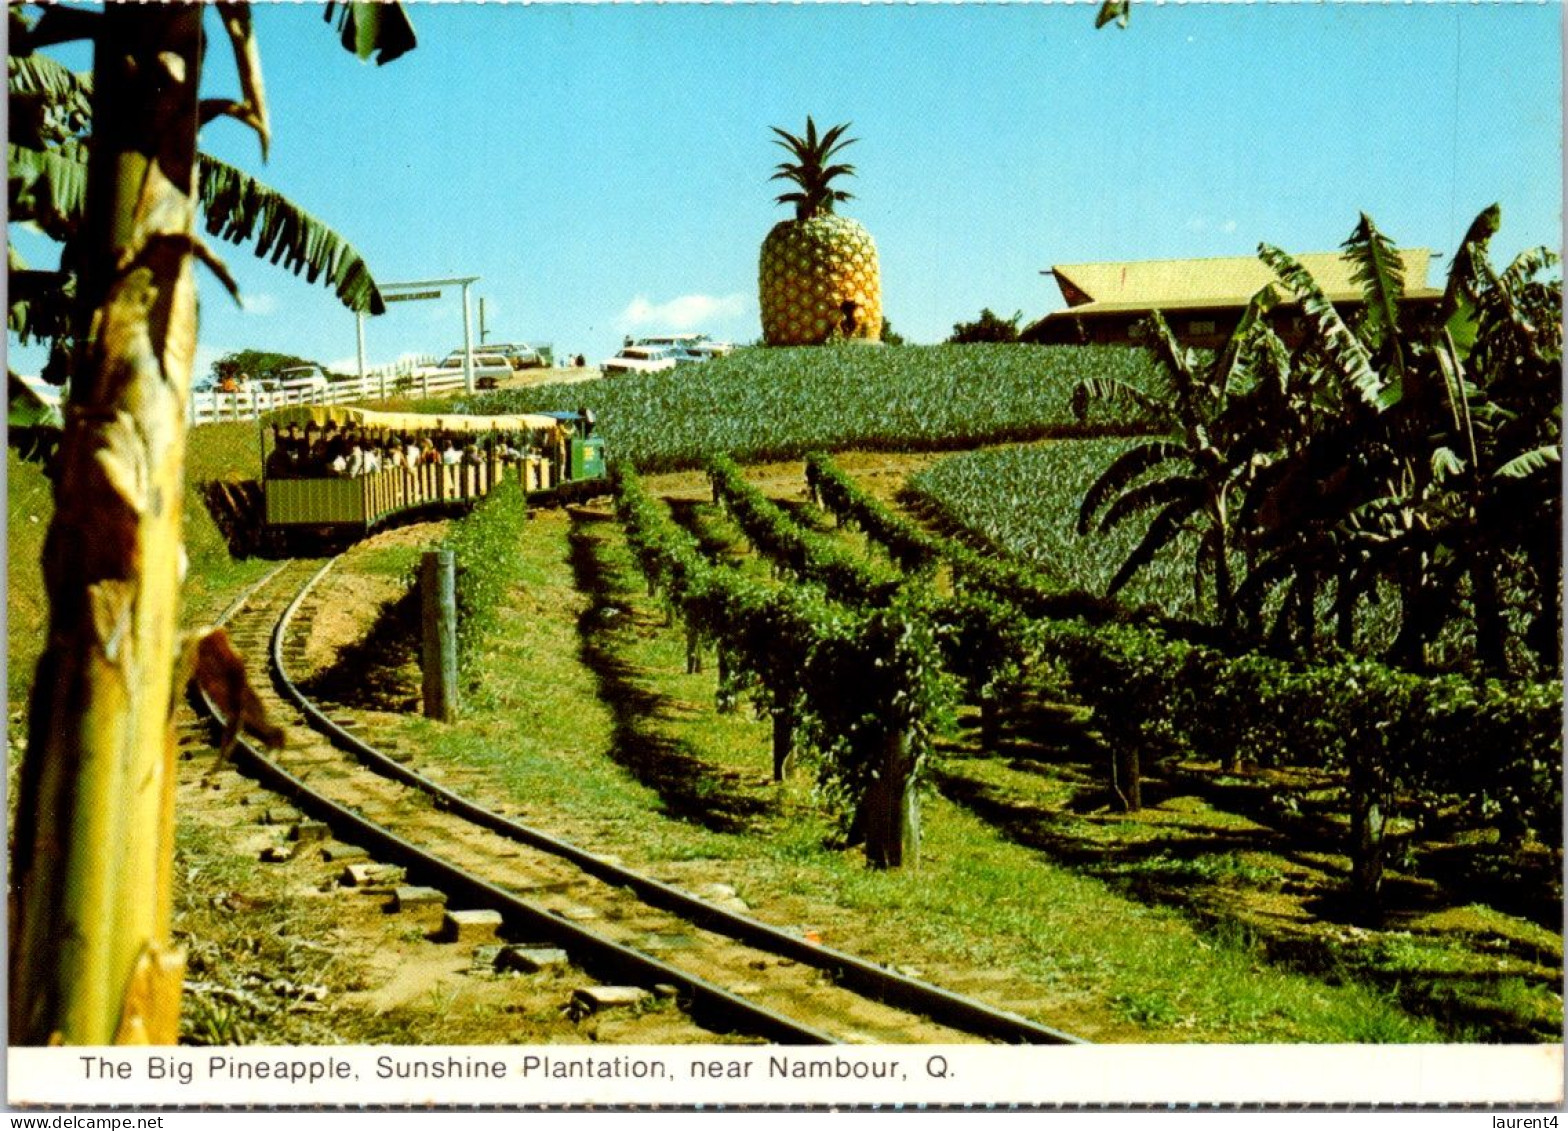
(1423, 454)
(47, 159)
(1192, 476)
(1328, 448)
(1499, 458)
(92, 960)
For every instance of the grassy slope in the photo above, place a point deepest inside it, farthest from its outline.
(215, 451)
(625, 752)
(763, 404)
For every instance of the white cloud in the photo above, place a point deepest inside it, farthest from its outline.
(688, 312)
(260, 303)
(1228, 227)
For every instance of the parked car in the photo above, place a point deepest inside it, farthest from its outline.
(707, 351)
(688, 347)
(307, 380)
(640, 359)
(520, 355)
(490, 369)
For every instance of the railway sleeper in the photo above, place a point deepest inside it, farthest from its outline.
(602, 958)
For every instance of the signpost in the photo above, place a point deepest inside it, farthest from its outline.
(419, 291)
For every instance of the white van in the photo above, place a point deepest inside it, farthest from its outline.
(307, 380)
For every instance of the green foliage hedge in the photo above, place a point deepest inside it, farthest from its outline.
(1497, 743)
(845, 680)
(824, 561)
(488, 565)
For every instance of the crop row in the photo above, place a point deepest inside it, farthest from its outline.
(768, 404)
(1495, 744)
(1024, 501)
(487, 565)
(858, 689)
(976, 636)
(1029, 587)
(806, 555)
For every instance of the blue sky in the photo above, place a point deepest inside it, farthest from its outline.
(604, 168)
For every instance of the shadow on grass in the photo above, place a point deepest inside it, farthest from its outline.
(380, 671)
(690, 788)
(1214, 877)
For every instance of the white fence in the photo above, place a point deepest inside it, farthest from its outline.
(412, 377)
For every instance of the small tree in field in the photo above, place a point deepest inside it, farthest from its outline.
(987, 328)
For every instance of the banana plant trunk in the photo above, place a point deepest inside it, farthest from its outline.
(1369, 795)
(1491, 639)
(1543, 634)
(91, 958)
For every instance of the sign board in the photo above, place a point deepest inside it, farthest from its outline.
(412, 296)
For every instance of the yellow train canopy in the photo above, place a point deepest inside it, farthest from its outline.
(321, 415)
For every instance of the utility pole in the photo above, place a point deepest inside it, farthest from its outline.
(468, 342)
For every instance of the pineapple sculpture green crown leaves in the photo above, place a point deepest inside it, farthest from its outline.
(818, 280)
(810, 169)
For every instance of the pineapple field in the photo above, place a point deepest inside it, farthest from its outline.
(767, 404)
(1023, 500)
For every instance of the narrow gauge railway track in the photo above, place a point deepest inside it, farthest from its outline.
(545, 888)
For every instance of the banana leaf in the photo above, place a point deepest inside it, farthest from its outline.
(1527, 464)
(1344, 351)
(239, 209)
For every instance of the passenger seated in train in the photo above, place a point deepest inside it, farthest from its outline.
(283, 461)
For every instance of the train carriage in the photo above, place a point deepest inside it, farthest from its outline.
(314, 483)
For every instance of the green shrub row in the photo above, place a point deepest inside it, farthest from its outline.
(1022, 586)
(842, 683)
(487, 563)
(807, 556)
(1498, 744)
(980, 639)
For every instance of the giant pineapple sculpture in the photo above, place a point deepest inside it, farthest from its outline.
(818, 279)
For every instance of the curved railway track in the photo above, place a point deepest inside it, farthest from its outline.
(644, 932)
